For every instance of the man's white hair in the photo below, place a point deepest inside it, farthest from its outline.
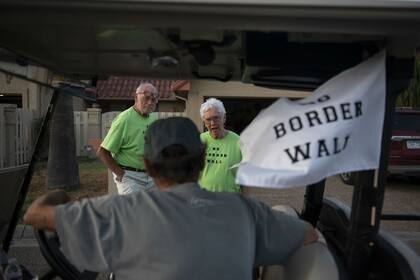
(212, 103)
(147, 86)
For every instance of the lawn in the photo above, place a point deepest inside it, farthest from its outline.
(93, 181)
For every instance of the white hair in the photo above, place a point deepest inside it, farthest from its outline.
(212, 103)
(147, 86)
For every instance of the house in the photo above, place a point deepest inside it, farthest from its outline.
(22, 93)
(117, 93)
(242, 101)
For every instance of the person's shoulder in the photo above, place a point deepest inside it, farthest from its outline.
(153, 116)
(122, 118)
(129, 110)
(126, 206)
(251, 200)
(124, 114)
(233, 199)
(204, 136)
(120, 202)
(233, 134)
(255, 206)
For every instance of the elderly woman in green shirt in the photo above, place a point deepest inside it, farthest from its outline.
(222, 150)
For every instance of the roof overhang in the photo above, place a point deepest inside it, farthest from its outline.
(202, 39)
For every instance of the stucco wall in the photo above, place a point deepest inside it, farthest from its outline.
(171, 106)
(34, 96)
(201, 89)
(9, 84)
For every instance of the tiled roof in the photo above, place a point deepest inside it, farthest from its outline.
(123, 88)
(180, 85)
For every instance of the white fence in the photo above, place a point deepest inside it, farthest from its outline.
(91, 125)
(17, 134)
(87, 125)
(81, 131)
(108, 117)
(106, 122)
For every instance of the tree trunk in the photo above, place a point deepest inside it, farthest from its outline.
(63, 169)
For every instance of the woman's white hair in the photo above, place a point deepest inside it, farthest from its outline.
(212, 103)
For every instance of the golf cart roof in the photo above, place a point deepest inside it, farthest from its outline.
(251, 41)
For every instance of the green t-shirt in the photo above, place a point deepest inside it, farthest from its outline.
(221, 154)
(125, 138)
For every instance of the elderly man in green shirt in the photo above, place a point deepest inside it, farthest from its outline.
(222, 149)
(123, 146)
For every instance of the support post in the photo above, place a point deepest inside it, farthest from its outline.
(369, 189)
(313, 202)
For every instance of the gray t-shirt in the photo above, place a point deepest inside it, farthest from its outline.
(182, 233)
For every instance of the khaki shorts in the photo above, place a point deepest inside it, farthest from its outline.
(134, 181)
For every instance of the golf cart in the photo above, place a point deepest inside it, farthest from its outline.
(274, 44)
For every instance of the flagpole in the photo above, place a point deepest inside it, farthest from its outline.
(313, 202)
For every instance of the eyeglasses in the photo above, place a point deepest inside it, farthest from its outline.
(149, 97)
(214, 119)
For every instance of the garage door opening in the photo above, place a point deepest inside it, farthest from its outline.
(240, 112)
(10, 98)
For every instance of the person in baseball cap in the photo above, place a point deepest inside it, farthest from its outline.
(173, 150)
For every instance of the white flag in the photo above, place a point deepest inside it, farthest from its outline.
(336, 129)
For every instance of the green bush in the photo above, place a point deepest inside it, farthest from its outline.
(411, 96)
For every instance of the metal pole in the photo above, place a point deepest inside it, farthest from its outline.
(313, 202)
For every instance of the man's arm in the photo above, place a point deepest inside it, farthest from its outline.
(40, 213)
(279, 235)
(105, 156)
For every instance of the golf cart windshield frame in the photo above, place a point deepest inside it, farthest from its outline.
(368, 195)
(25, 183)
(326, 17)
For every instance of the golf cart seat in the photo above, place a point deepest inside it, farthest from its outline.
(286, 209)
(313, 261)
(392, 258)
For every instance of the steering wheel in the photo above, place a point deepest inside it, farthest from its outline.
(49, 245)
